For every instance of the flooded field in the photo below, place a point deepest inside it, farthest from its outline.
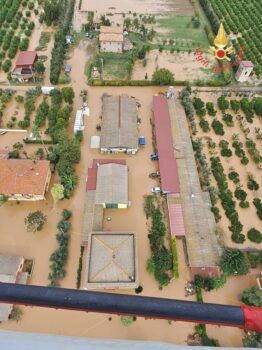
(39, 246)
(183, 65)
(183, 7)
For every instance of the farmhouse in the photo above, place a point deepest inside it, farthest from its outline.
(119, 128)
(24, 179)
(111, 39)
(111, 261)
(24, 68)
(10, 272)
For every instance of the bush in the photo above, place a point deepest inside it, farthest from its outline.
(127, 320)
(223, 104)
(35, 221)
(234, 262)
(255, 259)
(204, 125)
(252, 296)
(254, 235)
(6, 65)
(163, 76)
(210, 109)
(228, 119)
(240, 194)
(139, 290)
(175, 257)
(218, 127)
(234, 176)
(252, 184)
(79, 269)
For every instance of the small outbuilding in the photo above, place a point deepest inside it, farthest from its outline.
(10, 272)
(119, 128)
(24, 68)
(111, 261)
(79, 121)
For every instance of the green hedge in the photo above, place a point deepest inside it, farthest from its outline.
(38, 141)
(175, 257)
(98, 82)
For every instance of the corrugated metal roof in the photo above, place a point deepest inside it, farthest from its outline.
(167, 161)
(26, 58)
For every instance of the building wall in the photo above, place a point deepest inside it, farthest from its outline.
(111, 46)
(119, 150)
(205, 272)
(243, 73)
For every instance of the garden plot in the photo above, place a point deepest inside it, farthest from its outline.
(227, 140)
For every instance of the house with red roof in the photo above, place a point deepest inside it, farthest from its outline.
(24, 69)
(24, 179)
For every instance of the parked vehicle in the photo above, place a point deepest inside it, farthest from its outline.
(156, 190)
(3, 132)
(142, 141)
(154, 175)
(154, 156)
(68, 68)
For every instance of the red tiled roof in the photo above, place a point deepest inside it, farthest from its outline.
(164, 140)
(92, 172)
(23, 176)
(26, 58)
(176, 220)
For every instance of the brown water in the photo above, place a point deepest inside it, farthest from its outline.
(183, 7)
(247, 216)
(183, 65)
(15, 239)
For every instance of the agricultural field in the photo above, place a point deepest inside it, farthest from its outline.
(17, 24)
(227, 139)
(242, 20)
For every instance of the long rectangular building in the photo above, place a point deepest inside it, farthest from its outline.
(165, 150)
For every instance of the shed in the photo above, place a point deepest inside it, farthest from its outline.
(46, 90)
(79, 122)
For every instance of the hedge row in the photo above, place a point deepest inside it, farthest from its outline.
(98, 82)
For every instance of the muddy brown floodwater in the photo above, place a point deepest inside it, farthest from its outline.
(15, 239)
(183, 7)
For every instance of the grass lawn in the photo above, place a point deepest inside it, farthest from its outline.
(180, 29)
(117, 66)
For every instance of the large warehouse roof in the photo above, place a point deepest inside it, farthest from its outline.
(165, 149)
(112, 184)
(119, 122)
(112, 261)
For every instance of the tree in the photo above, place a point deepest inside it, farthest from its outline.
(234, 262)
(257, 105)
(51, 8)
(127, 320)
(16, 313)
(254, 235)
(68, 94)
(163, 76)
(35, 221)
(39, 67)
(223, 104)
(252, 296)
(235, 105)
(57, 192)
(68, 148)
